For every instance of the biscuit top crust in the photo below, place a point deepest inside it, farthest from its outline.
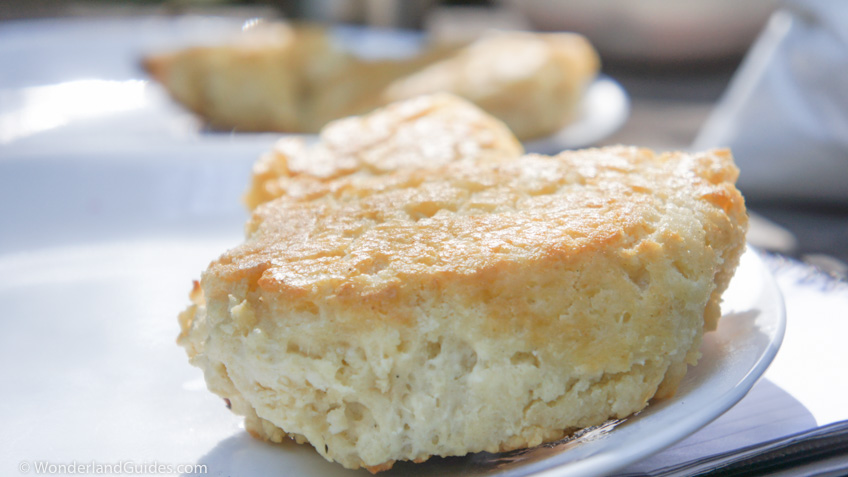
(426, 132)
(360, 237)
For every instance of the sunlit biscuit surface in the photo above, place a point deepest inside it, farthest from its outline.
(479, 305)
(425, 132)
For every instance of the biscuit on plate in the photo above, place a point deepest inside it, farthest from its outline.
(294, 78)
(484, 304)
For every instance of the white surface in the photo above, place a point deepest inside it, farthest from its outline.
(811, 367)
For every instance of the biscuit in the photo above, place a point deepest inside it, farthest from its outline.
(532, 82)
(428, 131)
(481, 305)
(260, 81)
(293, 78)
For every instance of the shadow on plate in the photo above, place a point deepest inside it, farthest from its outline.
(767, 412)
(242, 455)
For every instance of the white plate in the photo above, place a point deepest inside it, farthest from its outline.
(97, 254)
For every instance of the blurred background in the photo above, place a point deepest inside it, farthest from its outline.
(675, 59)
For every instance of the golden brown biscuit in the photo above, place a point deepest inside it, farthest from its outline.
(483, 305)
(428, 131)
